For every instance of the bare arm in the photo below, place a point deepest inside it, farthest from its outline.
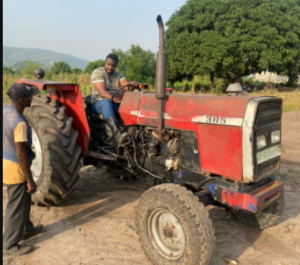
(133, 84)
(23, 160)
(123, 82)
(101, 89)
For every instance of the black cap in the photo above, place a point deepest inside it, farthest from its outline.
(17, 91)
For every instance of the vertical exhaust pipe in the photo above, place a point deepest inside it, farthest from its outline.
(161, 74)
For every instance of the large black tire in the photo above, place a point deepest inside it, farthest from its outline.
(262, 220)
(173, 227)
(57, 162)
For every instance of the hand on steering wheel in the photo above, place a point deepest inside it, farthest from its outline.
(115, 100)
(132, 84)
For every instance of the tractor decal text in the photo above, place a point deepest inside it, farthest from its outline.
(229, 121)
(167, 116)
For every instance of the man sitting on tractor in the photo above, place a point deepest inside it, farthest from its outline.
(105, 81)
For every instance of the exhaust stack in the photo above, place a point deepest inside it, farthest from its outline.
(161, 73)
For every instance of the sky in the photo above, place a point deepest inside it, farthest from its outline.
(87, 29)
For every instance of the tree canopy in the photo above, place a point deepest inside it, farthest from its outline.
(61, 67)
(7, 70)
(76, 71)
(137, 64)
(29, 68)
(93, 65)
(217, 37)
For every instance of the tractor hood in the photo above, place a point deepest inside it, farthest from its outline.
(226, 129)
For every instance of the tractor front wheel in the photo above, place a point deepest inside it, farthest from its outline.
(173, 227)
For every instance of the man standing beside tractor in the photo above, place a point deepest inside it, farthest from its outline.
(105, 81)
(17, 159)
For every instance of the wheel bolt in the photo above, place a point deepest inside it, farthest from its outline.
(168, 232)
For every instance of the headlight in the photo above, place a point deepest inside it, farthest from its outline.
(275, 137)
(261, 141)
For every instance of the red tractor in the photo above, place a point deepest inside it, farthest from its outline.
(198, 149)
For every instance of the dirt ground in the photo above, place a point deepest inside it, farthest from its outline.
(96, 224)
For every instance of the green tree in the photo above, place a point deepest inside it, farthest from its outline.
(76, 71)
(7, 70)
(61, 67)
(137, 64)
(93, 65)
(29, 68)
(217, 37)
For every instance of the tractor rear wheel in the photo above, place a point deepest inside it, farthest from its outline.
(57, 163)
(173, 227)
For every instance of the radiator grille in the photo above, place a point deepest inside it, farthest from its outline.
(268, 120)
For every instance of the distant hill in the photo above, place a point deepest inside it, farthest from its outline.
(12, 55)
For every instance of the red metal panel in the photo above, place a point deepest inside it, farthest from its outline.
(73, 102)
(255, 201)
(69, 95)
(220, 149)
(179, 109)
(130, 102)
(42, 84)
(239, 200)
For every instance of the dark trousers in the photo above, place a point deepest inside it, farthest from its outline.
(17, 215)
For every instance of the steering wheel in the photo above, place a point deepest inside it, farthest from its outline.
(115, 93)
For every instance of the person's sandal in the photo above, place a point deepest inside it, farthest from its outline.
(17, 250)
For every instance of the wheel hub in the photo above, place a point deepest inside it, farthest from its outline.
(37, 163)
(167, 234)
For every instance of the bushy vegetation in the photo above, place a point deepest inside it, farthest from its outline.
(234, 38)
(93, 65)
(135, 63)
(198, 85)
(82, 79)
(291, 99)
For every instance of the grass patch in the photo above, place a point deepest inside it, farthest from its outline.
(264, 239)
(291, 99)
(293, 171)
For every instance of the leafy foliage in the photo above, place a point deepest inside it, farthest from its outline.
(216, 37)
(30, 66)
(137, 64)
(7, 70)
(93, 65)
(61, 67)
(76, 70)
